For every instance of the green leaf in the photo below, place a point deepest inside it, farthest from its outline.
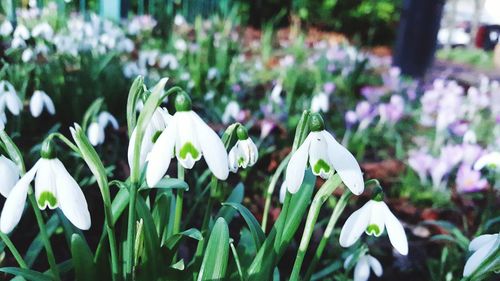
(92, 112)
(37, 245)
(134, 95)
(12, 150)
(174, 240)
(253, 224)
(216, 256)
(83, 259)
(28, 274)
(167, 183)
(151, 242)
(236, 196)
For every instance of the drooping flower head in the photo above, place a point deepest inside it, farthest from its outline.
(325, 155)
(9, 175)
(189, 138)
(372, 219)
(9, 98)
(244, 153)
(39, 101)
(364, 264)
(483, 247)
(96, 131)
(54, 188)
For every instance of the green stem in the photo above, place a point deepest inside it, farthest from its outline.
(236, 260)
(45, 237)
(339, 208)
(270, 191)
(130, 231)
(13, 250)
(179, 200)
(319, 199)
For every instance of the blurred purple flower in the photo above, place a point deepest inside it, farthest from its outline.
(471, 152)
(393, 111)
(391, 78)
(469, 180)
(459, 127)
(421, 163)
(372, 94)
(329, 87)
(350, 118)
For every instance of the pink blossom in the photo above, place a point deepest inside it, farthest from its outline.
(469, 180)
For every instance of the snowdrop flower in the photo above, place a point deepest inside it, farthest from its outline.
(43, 30)
(373, 218)
(27, 55)
(96, 129)
(490, 160)
(212, 73)
(38, 101)
(320, 103)
(244, 153)
(6, 28)
(21, 32)
(276, 93)
(159, 121)
(483, 246)
(9, 98)
(190, 138)
(168, 60)
(232, 112)
(363, 266)
(54, 188)
(9, 175)
(325, 155)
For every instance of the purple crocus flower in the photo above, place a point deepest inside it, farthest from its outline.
(469, 180)
(372, 94)
(329, 87)
(393, 111)
(421, 163)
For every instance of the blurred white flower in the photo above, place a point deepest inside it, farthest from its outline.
(212, 73)
(54, 187)
(9, 175)
(179, 20)
(96, 130)
(27, 55)
(363, 266)
(9, 98)
(168, 60)
(490, 160)
(373, 218)
(6, 28)
(483, 247)
(232, 112)
(180, 45)
(43, 30)
(38, 101)
(320, 103)
(21, 32)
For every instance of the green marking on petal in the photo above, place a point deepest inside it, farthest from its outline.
(241, 161)
(155, 137)
(321, 165)
(188, 148)
(373, 229)
(47, 198)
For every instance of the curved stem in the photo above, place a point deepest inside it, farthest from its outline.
(319, 199)
(45, 237)
(339, 208)
(179, 200)
(13, 250)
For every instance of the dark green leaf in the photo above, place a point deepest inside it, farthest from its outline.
(216, 256)
(28, 274)
(253, 224)
(83, 259)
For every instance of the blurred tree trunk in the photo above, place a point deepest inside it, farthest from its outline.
(417, 35)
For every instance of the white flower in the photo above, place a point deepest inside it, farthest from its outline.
(9, 175)
(158, 123)
(244, 153)
(54, 187)
(488, 160)
(38, 101)
(320, 103)
(363, 266)
(43, 30)
(6, 28)
(232, 111)
(373, 218)
(179, 20)
(482, 246)
(27, 55)
(276, 93)
(325, 155)
(21, 32)
(212, 73)
(96, 129)
(189, 137)
(9, 98)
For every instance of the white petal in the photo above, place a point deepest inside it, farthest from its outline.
(478, 257)
(45, 183)
(10, 175)
(377, 218)
(161, 154)
(362, 270)
(297, 166)
(481, 240)
(254, 152)
(375, 265)
(70, 197)
(14, 205)
(188, 136)
(348, 261)
(49, 104)
(13, 102)
(396, 232)
(345, 164)
(283, 192)
(95, 134)
(318, 155)
(213, 149)
(233, 159)
(36, 104)
(105, 118)
(355, 225)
